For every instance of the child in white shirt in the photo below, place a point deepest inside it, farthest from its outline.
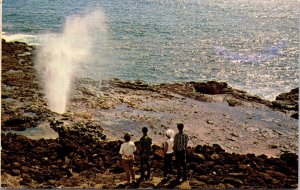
(168, 152)
(127, 151)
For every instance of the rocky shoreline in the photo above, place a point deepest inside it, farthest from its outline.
(76, 161)
(85, 151)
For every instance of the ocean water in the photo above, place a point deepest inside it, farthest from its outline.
(252, 45)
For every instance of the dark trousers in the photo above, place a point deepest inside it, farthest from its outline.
(181, 163)
(145, 167)
(168, 164)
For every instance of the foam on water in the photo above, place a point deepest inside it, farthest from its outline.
(27, 38)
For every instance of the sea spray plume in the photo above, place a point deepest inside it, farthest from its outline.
(61, 55)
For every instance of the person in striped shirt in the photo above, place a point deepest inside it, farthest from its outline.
(180, 144)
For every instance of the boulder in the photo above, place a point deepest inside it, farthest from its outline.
(211, 87)
(234, 102)
(290, 97)
(288, 102)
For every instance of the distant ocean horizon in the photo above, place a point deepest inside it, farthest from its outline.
(251, 45)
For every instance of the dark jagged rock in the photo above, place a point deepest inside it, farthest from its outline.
(288, 102)
(44, 164)
(295, 115)
(19, 123)
(20, 87)
(291, 97)
(135, 85)
(211, 87)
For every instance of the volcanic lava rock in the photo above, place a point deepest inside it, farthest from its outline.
(211, 87)
(23, 105)
(81, 149)
(288, 102)
(214, 167)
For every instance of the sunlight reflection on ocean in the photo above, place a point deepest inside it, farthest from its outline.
(162, 41)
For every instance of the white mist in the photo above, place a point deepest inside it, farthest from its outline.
(61, 55)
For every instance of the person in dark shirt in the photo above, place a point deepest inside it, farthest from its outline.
(145, 151)
(180, 145)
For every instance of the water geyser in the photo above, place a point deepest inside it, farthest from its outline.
(62, 54)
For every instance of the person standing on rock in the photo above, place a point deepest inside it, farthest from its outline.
(180, 145)
(145, 151)
(168, 152)
(127, 151)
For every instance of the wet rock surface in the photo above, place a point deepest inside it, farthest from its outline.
(85, 154)
(235, 120)
(23, 105)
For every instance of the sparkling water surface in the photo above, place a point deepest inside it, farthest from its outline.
(162, 41)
